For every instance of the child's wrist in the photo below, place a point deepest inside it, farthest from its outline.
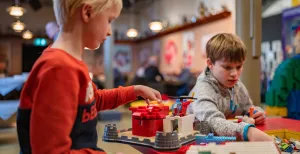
(137, 90)
(248, 132)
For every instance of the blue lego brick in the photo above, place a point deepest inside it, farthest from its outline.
(293, 105)
(289, 149)
(248, 114)
(211, 138)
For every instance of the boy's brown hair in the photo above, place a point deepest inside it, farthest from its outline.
(226, 46)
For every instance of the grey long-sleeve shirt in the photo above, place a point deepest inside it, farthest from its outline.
(213, 105)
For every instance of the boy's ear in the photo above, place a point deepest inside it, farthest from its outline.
(86, 12)
(209, 63)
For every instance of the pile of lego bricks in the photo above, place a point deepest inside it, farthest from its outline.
(291, 146)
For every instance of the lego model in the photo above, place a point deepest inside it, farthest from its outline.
(235, 148)
(283, 93)
(153, 127)
(211, 138)
(181, 104)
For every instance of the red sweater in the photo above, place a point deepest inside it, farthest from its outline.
(59, 104)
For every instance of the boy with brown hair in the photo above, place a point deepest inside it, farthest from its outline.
(220, 95)
(59, 103)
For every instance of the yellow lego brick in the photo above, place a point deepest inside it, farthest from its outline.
(292, 134)
(138, 103)
(276, 111)
(143, 103)
(279, 133)
(284, 134)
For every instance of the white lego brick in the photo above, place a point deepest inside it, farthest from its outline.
(297, 144)
(192, 152)
(167, 124)
(185, 124)
(239, 148)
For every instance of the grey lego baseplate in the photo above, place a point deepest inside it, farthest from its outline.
(162, 141)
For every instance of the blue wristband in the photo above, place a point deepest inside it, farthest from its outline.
(246, 128)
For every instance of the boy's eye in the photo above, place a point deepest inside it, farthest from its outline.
(227, 67)
(239, 67)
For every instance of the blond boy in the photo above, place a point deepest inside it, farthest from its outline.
(59, 102)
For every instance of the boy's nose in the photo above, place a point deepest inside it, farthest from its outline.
(233, 72)
(109, 31)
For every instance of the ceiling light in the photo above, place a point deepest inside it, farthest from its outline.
(18, 26)
(27, 35)
(156, 26)
(16, 11)
(132, 33)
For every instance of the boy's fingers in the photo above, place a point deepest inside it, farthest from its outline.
(259, 119)
(257, 114)
(158, 96)
(147, 101)
(260, 122)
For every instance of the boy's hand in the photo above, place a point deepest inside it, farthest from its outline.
(255, 134)
(259, 117)
(248, 120)
(147, 93)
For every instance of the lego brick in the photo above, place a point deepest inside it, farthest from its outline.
(147, 128)
(180, 106)
(292, 134)
(236, 148)
(279, 133)
(183, 125)
(147, 120)
(276, 111)
(294, 105)
(215, 139)
(297, 144)
(168, 123)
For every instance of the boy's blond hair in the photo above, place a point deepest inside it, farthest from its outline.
(64, 9)
(226, 46)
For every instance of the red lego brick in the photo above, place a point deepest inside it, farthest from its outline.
(146, 120)
(184, 106)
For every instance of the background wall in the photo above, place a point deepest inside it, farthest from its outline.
(13, 47)
(202, 33)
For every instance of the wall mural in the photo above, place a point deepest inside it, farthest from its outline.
(123, 58)
(188, 48)
(171, 52)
